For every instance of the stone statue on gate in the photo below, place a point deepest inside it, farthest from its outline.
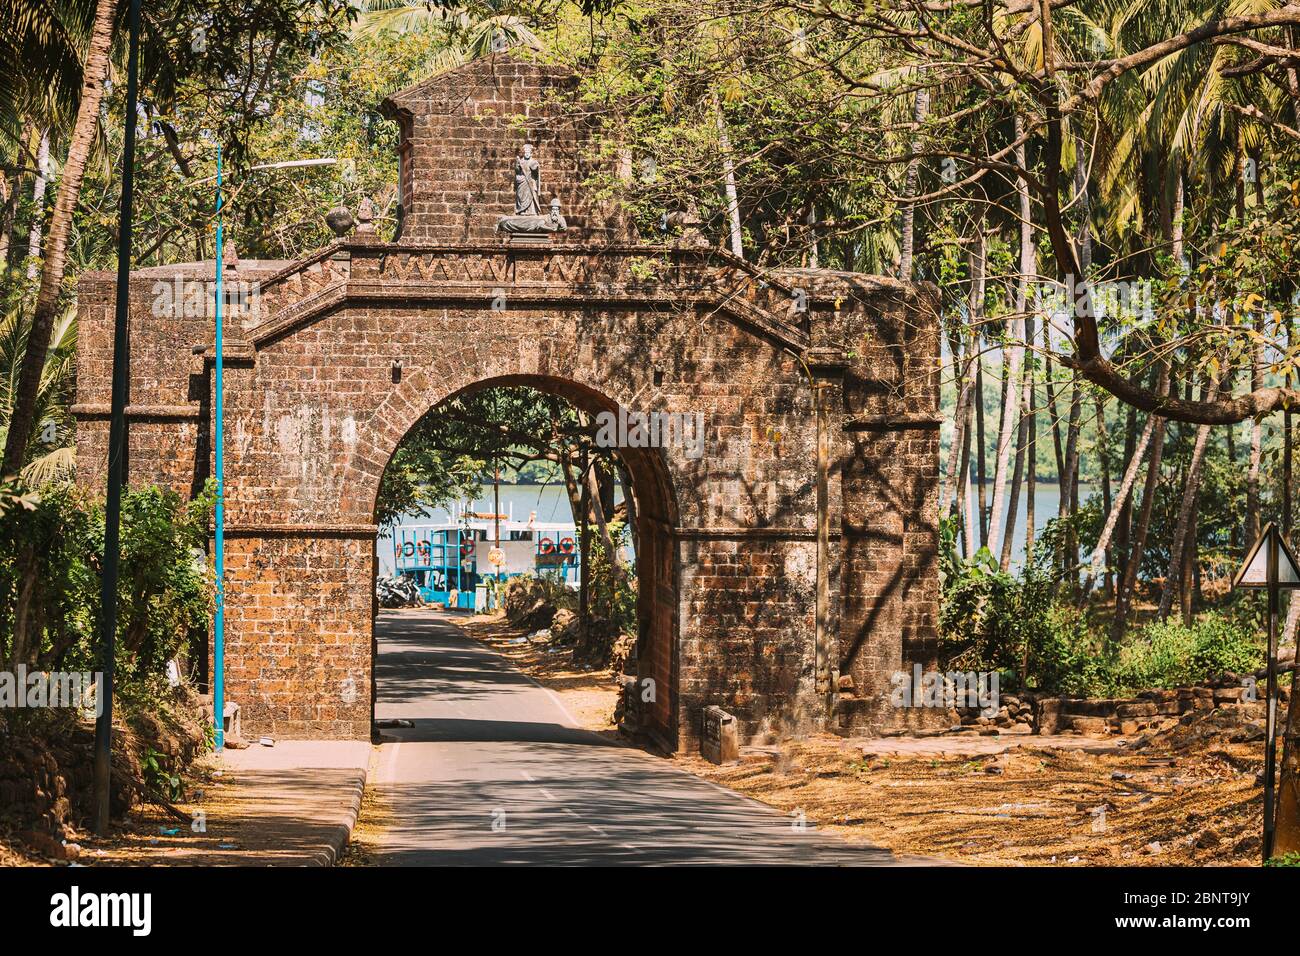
(528, 219)
(528, 184)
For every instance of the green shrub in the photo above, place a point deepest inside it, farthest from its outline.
(1169, 654)
(51, 561)
(523, 592)
(993, 620)
(1070, 656)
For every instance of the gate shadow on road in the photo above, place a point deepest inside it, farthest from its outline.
(450, 729)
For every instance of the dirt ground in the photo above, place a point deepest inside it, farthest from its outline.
(1028, 805)
(1187, 797)
(152, 836)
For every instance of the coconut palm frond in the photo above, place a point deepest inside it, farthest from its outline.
(498, 33)
(55, 465)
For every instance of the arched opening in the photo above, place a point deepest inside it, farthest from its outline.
(478, 433)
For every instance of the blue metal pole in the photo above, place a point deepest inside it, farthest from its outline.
(219, 624)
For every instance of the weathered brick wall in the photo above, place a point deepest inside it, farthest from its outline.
(347, 349)
(459, 125)
(298, 656)
(890, 589)
(169, 388)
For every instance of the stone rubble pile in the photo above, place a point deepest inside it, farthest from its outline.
(1157, 709)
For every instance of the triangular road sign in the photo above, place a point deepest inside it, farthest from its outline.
(1254, 570)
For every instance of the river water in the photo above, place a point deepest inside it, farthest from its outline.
(551, 504)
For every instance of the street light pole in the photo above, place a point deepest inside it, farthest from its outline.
(219, 543)
(219, 455)
(103, 767)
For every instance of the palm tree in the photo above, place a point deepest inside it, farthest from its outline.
(49, 455)
(469, 31)
(50, 17)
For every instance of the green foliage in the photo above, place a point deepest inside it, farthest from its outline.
(521, 593)
(611, 586)
(49, 452)
(158, 777)
(51, 559)
(1168, 654)
(1023, 624)
(453, 448)
(992, 620)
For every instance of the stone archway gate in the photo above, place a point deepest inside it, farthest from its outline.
(788, 570)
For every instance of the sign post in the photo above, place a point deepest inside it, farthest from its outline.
(1270, 564)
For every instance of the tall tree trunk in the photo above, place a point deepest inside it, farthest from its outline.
(572, 490)
(1113, 514)
(1124, 527)
(1031, 456)
(962, 381)
(1189, 573)
(974, 316)
(1230, 433)
(1083, 234)
(920, 106)
(1008, 424)
(38, 205)
(629, 502)
(1127, 583)
(1256, 447)
(1191, 487)
(1000, 532)
(1052, 417)
(1017, 479)
(1083, 242)
(596, 498)
(22, 415)
(1287, 817)
(1176, 224)
(729, 180)
(1286, 451)
(1103, 459)
(973, 541)
(9, 198)
(964, 486)
(1069, 504)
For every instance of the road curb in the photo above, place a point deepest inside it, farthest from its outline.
(341, 833)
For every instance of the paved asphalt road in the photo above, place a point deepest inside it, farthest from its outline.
(495, 771)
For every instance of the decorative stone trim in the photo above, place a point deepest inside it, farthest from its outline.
(139, 412)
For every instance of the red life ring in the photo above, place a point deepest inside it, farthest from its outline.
(566, 545)
(546, 546)
(467, 546)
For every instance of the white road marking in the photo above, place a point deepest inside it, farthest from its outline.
(546, 793)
